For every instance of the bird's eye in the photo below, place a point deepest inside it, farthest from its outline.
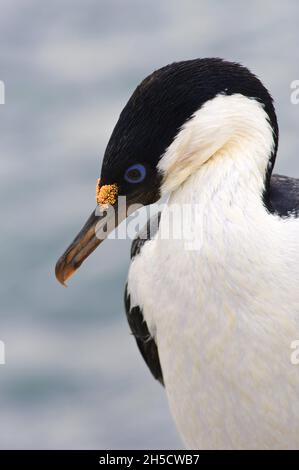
(135, 173)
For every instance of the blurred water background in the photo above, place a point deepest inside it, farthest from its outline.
(73, 376)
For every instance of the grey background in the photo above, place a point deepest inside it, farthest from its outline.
(74, 378)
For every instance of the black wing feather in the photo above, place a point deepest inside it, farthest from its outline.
(145, 342)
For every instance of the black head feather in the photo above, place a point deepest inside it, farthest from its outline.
(159, 107)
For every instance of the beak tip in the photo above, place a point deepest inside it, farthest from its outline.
(61, 281)
(81, 247)
(63, 271)
(60, 271)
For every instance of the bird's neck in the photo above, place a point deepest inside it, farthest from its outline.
(230, 185)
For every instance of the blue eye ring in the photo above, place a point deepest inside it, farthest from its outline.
(135, 173)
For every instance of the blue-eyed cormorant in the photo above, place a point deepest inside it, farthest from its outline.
(214, 324)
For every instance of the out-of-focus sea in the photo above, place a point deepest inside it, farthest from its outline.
(73, 376)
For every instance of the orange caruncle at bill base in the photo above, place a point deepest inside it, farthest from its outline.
(106, 194)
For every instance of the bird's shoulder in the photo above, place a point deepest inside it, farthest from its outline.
(284, 196)
(145, 342)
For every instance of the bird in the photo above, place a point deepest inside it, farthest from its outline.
(214, 318)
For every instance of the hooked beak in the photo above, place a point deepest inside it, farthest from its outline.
(109, 213)
(100, 224)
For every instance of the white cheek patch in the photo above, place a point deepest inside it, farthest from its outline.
(227, 123)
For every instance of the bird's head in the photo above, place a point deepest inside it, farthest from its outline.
(177, 118)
